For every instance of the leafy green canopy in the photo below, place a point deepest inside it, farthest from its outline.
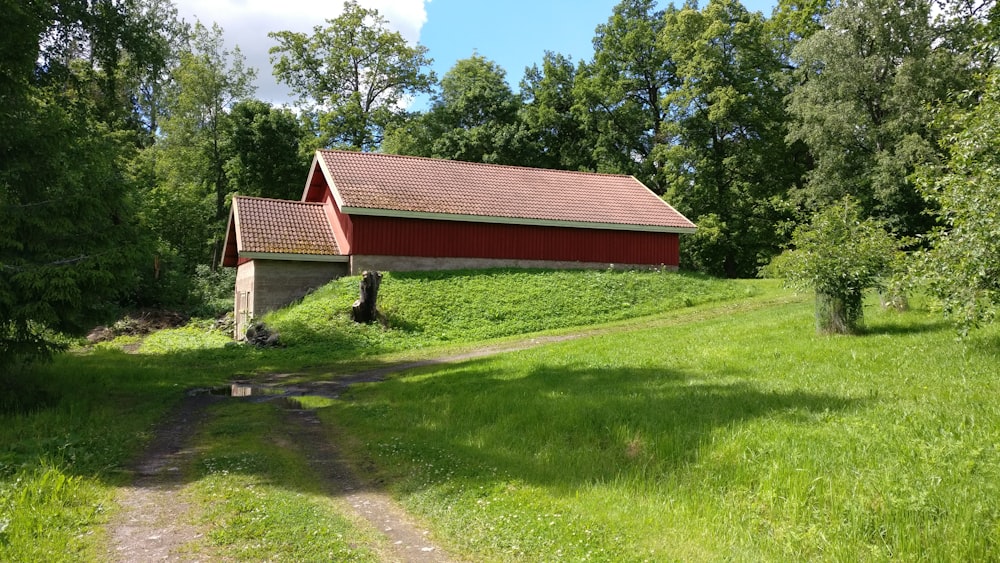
(351, 75)
(867, 82)
(963, 266)
(185, 204)
(839, 255)
(473, 118)
(727, 165)
(68, 237)
(619, 94)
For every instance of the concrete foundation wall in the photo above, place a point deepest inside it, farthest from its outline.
(418, 263)
(266, 285)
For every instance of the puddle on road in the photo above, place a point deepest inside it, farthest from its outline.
(240, 390)
(258, 392)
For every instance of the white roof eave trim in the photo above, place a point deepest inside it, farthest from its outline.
(513, 220)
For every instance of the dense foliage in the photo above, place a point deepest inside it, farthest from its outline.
(351, 75)
(963, 266)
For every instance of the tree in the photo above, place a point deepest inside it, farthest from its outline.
(473, 118)
(187, 205)
(263, 145)
(867, 82)
(558, 137)
(68, 235)
(352, 75)
(962, 267)
(838, 254)
(619, 94)
(725, 160)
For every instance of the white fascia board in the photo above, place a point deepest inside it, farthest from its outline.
(309, 177)
(235, 218)
(512, 220)
(295, 257)
(329, 182)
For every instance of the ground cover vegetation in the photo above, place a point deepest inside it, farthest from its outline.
(742, 437)
(727, 428)
(69, 427)
(748, 123)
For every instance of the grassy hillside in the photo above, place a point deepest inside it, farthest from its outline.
(431, 308)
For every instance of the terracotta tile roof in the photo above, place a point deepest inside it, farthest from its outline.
(282, 227)
(381, 184)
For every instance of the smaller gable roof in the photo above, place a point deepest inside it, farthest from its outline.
(407, 186)
(278, 229)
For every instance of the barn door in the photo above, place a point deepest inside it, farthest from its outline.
(244, 312)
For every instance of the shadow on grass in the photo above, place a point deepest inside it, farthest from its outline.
(559, 426)
(902, 326)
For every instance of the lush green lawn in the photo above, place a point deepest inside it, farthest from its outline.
(726, 430)
(68, 429)
(743, 437)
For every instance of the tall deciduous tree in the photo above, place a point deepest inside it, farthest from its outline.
(473, 118)
(263, 145)
(559, 137)
(620, 93)
(868, 81)
(725, 158)
(190, 158)
(352, 75)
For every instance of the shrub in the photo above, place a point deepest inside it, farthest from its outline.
(838, 255)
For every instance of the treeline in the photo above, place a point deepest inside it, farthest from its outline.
(126, 130)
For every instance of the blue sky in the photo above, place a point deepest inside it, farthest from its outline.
(513, 33)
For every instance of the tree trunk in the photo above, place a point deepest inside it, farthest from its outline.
(364, 309)
(838, 314)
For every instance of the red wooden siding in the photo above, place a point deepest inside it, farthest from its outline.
(343, 227)
(391, 236)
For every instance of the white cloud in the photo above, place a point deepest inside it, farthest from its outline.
(246, 24)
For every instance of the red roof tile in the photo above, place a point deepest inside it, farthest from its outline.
(381, 184)
(282, 227)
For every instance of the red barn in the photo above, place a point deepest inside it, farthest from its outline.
(369, 211)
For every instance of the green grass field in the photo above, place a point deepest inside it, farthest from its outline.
(708, 422)
(741, 437)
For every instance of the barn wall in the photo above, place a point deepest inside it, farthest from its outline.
(390, 236)
(343, 228)
(273, 284)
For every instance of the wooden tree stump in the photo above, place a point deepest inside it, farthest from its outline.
(364, 309)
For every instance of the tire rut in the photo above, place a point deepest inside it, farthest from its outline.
(152, 524)
(408, 541)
